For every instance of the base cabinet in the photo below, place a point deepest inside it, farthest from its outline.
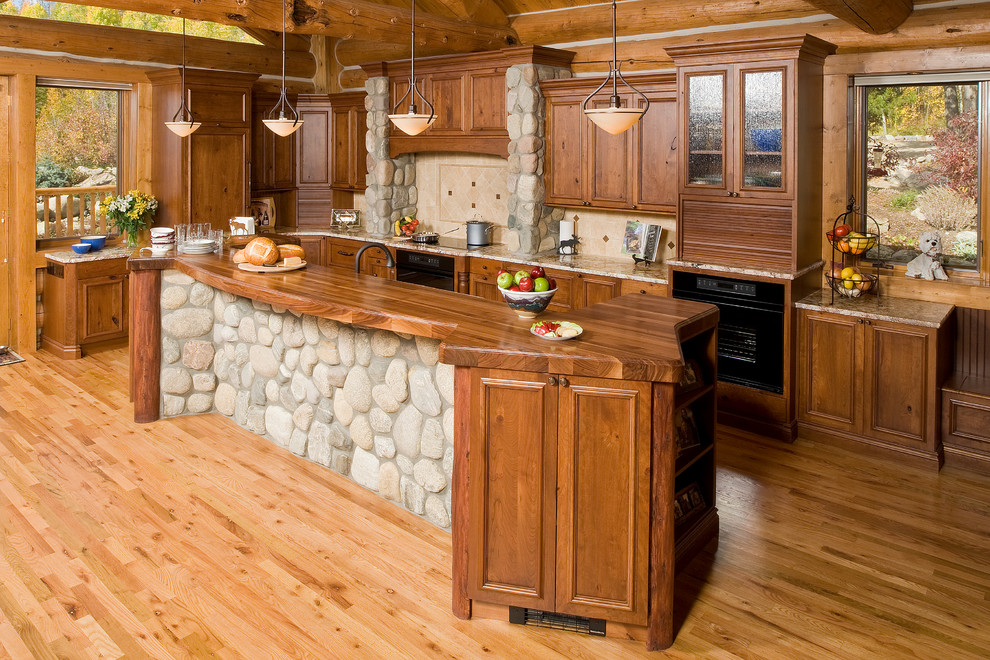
(873, 381)
(563, 522)
(85, 303)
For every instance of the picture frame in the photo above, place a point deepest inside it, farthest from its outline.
(346, 219)
(688, 502)
(262, 209)
(685, 430)
(692, 377)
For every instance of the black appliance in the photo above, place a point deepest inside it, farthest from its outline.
(425, 268)
(750, 326)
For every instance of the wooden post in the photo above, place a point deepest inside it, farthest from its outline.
(460, 603)
(660, 624)
(146, 343)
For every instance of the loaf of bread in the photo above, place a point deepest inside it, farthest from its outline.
(261, 251)
(239, 257)
(289, 250)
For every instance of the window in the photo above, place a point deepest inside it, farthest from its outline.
(78, 153)
(920, 164)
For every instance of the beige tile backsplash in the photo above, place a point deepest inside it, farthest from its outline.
(453, 188)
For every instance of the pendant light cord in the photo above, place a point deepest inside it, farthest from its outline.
(615, 57)
(183, 114)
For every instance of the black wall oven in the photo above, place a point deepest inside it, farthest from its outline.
(425, 268)
(750, 326)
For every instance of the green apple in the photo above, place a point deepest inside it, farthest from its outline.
(541, 284)
(521, 274)
(505, 280)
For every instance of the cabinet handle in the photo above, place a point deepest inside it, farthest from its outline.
(564, 382)
(552, 380)
(345, 254)
(113, 277)
(115, 321)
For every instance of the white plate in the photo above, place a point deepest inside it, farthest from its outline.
(563, 324)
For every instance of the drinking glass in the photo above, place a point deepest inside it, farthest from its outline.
(216, 235)
(181, 236)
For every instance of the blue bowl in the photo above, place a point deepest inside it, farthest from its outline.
(95, 242)
(80, 248)
(765, 139)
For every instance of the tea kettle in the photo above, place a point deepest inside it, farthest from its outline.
(479, 232)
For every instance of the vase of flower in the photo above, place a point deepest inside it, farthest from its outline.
(130, 213)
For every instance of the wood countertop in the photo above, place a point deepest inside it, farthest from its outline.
(633, 337)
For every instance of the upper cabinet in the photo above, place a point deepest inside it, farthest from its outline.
(273, 158)
(468, 93)
(349, 125)
(585, 166)
(750, 171)
(203, 177)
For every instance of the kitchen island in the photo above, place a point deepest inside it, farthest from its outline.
(555, 464)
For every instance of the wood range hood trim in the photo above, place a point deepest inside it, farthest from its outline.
(489, 141)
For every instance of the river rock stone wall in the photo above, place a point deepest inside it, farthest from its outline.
(373, 405)
(532, 226)
(391, 191)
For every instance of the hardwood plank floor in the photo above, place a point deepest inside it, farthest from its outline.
(193, 538)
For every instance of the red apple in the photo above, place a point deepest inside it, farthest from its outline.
(514, 287)
(525, 283)
(537, 272)
(553, 283)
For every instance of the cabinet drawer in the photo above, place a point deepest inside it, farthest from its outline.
(638, 286)
(341, 252)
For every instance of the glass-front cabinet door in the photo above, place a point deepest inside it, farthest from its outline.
(761, 139)
(706, 130)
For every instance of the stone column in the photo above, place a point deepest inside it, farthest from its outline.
(391, 191)
(532, 225)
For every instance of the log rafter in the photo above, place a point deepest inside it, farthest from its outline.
(873, 16)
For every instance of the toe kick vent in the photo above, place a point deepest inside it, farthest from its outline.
(529, 617)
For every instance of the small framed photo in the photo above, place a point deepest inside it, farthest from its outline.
(685, 430)
(345, 219)
(691, 378)
(262, 209)
(687, 502)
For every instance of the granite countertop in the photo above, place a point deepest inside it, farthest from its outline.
(879, 308)
(622, 268)
(109, 252)
(749, 270)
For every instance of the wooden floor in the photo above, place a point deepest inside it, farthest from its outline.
(194, 538)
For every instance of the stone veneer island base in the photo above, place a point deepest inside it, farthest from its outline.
(555, 464)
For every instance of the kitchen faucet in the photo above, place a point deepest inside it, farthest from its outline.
(390, 263)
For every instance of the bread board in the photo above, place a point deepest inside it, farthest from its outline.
(251, 268)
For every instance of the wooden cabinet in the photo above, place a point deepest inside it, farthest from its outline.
(203, 177)
(316, 249)
(585, 166)
(583, 493)
(468, 93)
(591, 289)
(872, 381)
(340, 253)
(562, 524)
(314, 161)
(639, 286)
(85, 303)
(273, 158)
(349, 126)
(751, 129)
(574, 290)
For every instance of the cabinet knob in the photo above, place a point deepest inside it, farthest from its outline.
(909, 408)
(564, 382)
(860, 321)
(552, 380)
(115, 321)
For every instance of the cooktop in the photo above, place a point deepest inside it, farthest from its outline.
(449, 242)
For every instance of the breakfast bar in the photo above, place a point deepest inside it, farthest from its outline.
(574, 475)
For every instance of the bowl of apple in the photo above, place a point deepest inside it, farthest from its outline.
(526, 292)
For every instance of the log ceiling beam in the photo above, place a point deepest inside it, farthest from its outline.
(345, 19)
(123, 44)
(872, 16)
(273, 39)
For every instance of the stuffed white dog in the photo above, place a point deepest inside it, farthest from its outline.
(928, 264)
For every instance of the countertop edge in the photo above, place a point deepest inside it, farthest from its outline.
(906, 311)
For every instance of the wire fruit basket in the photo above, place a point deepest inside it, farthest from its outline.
(854, 286)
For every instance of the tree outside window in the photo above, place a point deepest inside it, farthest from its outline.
(921, 164)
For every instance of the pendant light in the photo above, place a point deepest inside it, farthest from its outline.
(412, 122)
(615, 119)
(182, 123)
(282, 125)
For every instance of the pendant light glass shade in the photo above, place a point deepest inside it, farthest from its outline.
(283, 120)
(615, 119)
(412, 122)
(182, 123)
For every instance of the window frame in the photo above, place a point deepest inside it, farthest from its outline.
(858, 143)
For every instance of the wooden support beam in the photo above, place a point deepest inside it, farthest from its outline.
(486, 12)
(128, 45)
(273, 39)
(873, 16)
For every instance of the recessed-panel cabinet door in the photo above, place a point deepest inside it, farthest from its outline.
(898, 383)
(565, 160)
(603, 498)
(218, 187)
(103, 308)
(610, 180)
(830, 390)
(512, 449)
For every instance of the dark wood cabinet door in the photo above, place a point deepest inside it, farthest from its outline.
(218, 186)
(656, 140)
(343, 175)
(593, 289)
(102, 308)
(830, 355)
(565, 151)
(484, 286)
(603, 498)
(283, 160)
(511, 499)
(898, 383)
(315, 250)
(487, 106)
(314, 148)
(609, 181)
(448, 103)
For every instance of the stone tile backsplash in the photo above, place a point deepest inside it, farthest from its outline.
(454, 188)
